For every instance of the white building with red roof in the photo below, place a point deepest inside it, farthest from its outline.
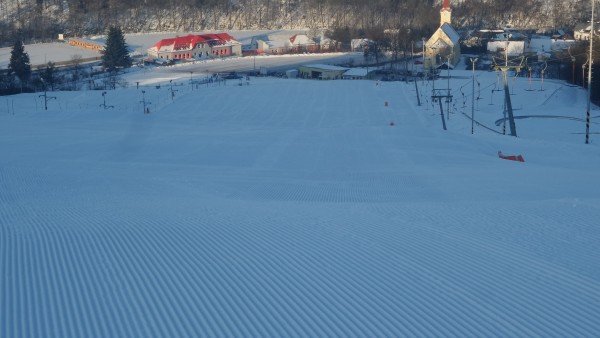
(196, 47)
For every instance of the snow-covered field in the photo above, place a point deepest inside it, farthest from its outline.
(42, 53)
(293, 208)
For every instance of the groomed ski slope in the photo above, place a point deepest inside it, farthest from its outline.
(292, 208)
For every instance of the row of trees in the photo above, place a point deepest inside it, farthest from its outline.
(18, 76)
(43, 19)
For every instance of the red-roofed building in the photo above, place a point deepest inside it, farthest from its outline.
(196, 47)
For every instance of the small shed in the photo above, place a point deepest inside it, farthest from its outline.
(356, 74)
(322, 72)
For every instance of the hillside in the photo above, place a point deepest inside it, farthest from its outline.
(43, 19)
(289, 208)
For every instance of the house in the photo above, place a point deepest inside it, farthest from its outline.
(548, 44)
(359, 45)
(196, 47)
(263, 44)
(321, 72)
(513, 48)
(275, 47)
(301, 43)
(444, 44)
(327, 44)
(582, 31)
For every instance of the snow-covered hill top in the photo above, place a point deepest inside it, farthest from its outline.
(288, 208)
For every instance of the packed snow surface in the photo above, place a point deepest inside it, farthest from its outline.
(293, 208)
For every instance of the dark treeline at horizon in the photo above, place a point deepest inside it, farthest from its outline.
(42, 20)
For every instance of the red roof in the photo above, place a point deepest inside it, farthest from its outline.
(225, 37)
(446, 4)
(189, 41)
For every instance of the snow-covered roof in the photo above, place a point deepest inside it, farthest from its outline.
(547, 44)
(540, 43)
(276, 43)
(451, 33)
(583, 27)
(359, 43)
(301, 39)
(326, 42)
(514, 48)
(325, 67)
(188, 42)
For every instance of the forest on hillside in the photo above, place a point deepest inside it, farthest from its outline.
(42, 20)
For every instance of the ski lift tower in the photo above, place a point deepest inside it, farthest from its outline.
(507, 101)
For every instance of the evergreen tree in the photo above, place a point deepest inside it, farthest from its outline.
(19, 62)
(6, 82)
(116, 54)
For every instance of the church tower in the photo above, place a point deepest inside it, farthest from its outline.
(446, 13)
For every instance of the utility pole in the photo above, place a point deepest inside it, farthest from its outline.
(433, 71)
(583, 73)
(448, 101)
(573, 59)
(192, 79)
(418, 96)
(172, 91)
(589, 103)
(530, 76)
(438, 97)
(46, 97)
(412, 58)
(473, 61)
(543, 73)
(104, 102)
(146, 111)
(423, 55)
(573, 72)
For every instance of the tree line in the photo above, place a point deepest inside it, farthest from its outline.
(18, 77)
(43, 19)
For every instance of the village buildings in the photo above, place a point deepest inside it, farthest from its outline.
(297, 43)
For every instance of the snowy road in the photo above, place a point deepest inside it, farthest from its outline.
(292, 208)
(278, 63)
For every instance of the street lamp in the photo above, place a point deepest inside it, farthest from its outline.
(473, 61)
(45, 96)
(448, 100)
(104, 101)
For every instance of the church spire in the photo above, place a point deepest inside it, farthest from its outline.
(446, 5)
(446, 13)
